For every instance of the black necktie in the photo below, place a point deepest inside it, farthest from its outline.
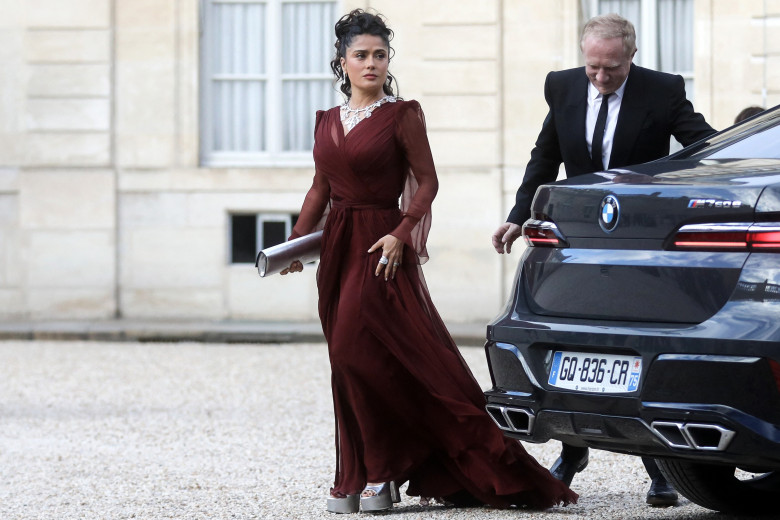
(598, 134)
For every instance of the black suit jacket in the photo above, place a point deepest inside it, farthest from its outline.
(653, 109)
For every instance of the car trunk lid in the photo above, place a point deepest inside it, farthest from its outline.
(618, 225)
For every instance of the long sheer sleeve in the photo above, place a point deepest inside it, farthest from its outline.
(315, 203)
(314, 206)
(421, 183)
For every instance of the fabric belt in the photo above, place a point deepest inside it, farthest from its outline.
(342, 204)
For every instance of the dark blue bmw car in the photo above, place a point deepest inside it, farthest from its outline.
(645, 317)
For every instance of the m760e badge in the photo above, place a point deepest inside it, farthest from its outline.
(714, 203)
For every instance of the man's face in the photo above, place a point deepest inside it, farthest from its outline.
(606, 63)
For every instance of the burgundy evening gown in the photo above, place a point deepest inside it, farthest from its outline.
(407, 406)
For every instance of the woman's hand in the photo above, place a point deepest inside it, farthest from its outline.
(392, 253)
(295, 267)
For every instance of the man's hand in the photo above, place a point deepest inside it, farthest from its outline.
(505, 235)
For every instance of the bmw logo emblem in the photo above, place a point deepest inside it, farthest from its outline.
(609, 213)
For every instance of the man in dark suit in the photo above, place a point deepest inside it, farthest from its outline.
(608, 114)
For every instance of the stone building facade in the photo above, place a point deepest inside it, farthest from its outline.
(114, 204)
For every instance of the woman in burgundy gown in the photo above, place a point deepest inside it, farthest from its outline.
(406, 404)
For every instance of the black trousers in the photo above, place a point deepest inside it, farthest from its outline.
(571, 453)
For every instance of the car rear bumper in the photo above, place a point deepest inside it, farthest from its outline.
(710, 400)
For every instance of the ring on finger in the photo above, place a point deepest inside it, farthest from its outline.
(396, 264)
(384, 260)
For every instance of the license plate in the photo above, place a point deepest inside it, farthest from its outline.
(601, 373)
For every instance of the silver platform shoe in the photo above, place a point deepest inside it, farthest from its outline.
(348, 504)
(386, 494)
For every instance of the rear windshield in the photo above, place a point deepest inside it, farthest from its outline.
(758, 138)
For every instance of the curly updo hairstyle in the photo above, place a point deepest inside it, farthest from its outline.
(353, 24)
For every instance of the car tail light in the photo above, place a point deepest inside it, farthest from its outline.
(739, 236)
(775, 366)
(764, 236)
(542, 233)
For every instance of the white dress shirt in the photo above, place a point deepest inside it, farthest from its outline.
(594, 104)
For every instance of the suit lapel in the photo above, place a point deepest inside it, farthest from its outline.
(573, 117)
(633, 111)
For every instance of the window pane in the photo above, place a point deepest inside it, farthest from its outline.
(237, 94)
(307, 49)
(675, 36)
(301, 100)
(274, 232)
(243, 239)
(266, 71)
(631, 10)
(238, 108)
(238, 38)
(307, 45)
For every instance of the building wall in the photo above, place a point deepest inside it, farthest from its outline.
(737, 57)
(57, 187)
(105, 211)
(449, 58)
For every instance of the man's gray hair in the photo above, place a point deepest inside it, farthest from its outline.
(609, 26)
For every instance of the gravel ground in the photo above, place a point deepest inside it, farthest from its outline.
(208, 431)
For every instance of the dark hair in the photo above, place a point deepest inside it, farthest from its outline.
(747, 112)
(353, 24)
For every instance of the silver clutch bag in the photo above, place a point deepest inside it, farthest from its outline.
(272, 260)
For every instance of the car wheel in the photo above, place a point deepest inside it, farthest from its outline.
(720, 487)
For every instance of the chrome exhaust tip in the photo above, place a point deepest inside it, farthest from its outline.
(516, 420)
(710, 437)
(693, 436)
(671, 433)
(497, 414)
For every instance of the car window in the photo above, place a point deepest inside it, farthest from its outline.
(761, 145)
(757, 138)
